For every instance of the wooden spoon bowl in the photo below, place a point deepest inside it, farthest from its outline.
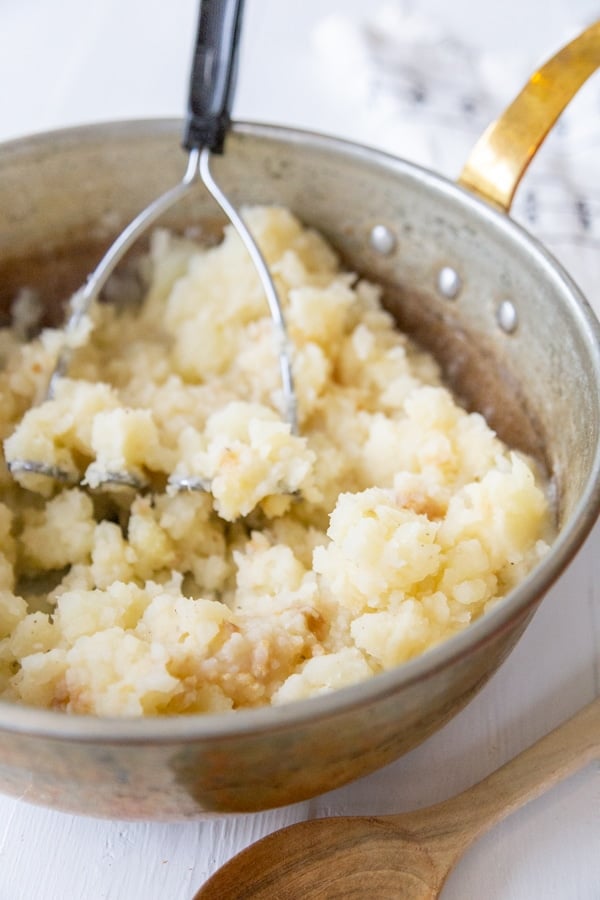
(406, 856)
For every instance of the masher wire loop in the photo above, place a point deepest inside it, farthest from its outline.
(212, 82)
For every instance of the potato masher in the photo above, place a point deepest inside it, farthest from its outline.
(212, 82)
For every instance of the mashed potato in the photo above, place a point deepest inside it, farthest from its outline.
(310, 562)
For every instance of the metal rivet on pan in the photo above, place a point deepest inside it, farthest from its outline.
(383, 239)
(449, 283)
(506, 315)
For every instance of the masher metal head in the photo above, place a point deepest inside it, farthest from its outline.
(212, 81)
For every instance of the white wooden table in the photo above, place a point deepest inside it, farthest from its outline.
(69, 62)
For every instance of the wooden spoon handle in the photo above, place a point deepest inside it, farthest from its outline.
(561, 753)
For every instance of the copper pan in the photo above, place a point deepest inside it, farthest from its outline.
(516, 338)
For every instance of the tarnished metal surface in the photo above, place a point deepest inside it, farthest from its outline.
(64, 197)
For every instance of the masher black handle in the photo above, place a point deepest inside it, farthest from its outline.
(212, 79)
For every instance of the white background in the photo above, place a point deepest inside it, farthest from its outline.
(68, 62)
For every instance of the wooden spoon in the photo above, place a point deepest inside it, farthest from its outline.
(408, 855)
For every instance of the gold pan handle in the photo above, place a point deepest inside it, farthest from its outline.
(500, 157)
